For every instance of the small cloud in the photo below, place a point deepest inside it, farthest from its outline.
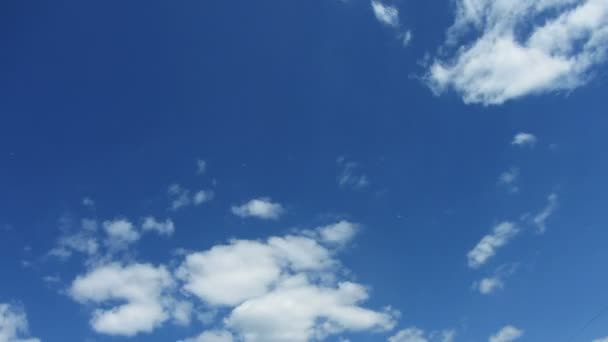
(201, 167)
(82, 240)
(541, 218)
(262, 208)
(509, 179)
(524, 140)
(350, 175)
(414, 334)
(88, 202)
(120, 233)
(605, 339)
(203, 196)
(489, 285)
(51, 279)
(406, 37)
(501, 235)
(386, 14)
(211, 336)
(163, 228)
(507, 334)
(338, 233)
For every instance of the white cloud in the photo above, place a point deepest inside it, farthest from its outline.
(140, 291)
(502, 234)
(409, 335)
(605, 339)
(541, 218)
(212, 336)
(120, 233)
(414, 334)
(490, 285)
(202, 196)
(350, 176)
(262, 208)
(406, 37)
(13, 324)
(181, 197)
(283, 289)
(162, 228)
(524, 139)
(509, 179)
(338, 233)
(520, 48)
(88, 202)
(507, 334)
(386, 14)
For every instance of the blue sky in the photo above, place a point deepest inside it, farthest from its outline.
(325, 170)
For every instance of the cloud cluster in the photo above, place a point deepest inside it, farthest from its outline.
(350, 175)
(386, 14)
(13, 324)
(501, 234)
(284, 288)
(520, 48)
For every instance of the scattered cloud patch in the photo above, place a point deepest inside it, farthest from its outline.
(508, 179)
(201, 167)
(524, 140)
(262, 208)
(605, 339)
(181, 197)
(163, 228)
(541, 218)
(80, 240)
(88, 202)
(489, 285)
(520, 48)
(501, 234)
(350, 175)
(507, 334)
(386, 14)
(138, 291)
(338, 233)
(14, 324)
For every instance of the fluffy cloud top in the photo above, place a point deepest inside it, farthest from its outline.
(120, 233)
(502, 234)
(13, 324)
(262, 208)
(141, 290)
(507, 334)
(282, 289)
(521, 48)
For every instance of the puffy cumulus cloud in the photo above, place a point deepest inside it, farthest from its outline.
(524, 139)
(120, 233)
(350, 175)
(285, 288)
(414, 334)
(507, 334)
(14, 325)
(520, 48)
(541, 218)
(502, 234)
(141, 288)
(338, 233)
(163, 228)
(181, 197)
(386, 14)
(298, 310)
(262, 208)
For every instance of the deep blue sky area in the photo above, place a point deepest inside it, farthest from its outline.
(294, 102)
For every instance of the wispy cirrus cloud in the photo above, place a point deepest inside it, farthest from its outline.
(500, 236)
